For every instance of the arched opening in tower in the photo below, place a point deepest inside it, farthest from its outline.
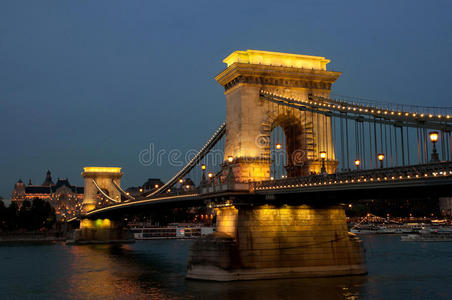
(286, 148)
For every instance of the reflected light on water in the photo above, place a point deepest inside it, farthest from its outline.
(156, 270)
(138, 271)
(108, 271)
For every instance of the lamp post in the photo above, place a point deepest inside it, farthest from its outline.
(230, 159)
(323, 157)
(203, 178)
(278, 146)
(181, 181)
(380, 157)
(434, 138)
(357, 163)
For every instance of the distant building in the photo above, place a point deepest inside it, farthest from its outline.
(65, 198)
(151, 184)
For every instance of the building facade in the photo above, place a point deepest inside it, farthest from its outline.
(65, 198)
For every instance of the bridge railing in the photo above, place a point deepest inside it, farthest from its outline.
(426, 110)
(360, 176)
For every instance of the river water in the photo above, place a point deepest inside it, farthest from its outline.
(156, 270)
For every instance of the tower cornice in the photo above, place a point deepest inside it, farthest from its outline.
(276, 75)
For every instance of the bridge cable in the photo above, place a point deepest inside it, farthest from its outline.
(346, 139)
(363, 144)
(381, 138)
(356, 141)
(342, 143)
(408, 146)
(402, 145)
(118, 187)
(371, 156)
(418, 147)
(375, 141)
(425, 145)
(386, 141)
(103, 193)
(395, 145)
(193, 162)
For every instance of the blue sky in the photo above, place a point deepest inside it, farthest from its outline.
(94, 82)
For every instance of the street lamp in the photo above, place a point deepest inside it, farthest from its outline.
(181, 181)
(203, 168)
(323, 157)
(210, 174)
(434, 138)
(230, 159)
(380, 157)
(357, 163)
(278, 146)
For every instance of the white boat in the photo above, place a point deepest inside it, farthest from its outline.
(170, 232)
(429, 235)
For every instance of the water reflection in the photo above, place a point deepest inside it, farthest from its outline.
(301, 288)
(113, 271)
(156, 269)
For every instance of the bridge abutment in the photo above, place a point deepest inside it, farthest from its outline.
(264, 242)
(101, 231)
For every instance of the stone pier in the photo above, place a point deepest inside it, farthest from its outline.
(101, 231)
(267, 242)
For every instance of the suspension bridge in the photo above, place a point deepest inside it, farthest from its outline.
(291, 154)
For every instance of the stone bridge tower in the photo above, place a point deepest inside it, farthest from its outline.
(250, 120)
(103, 176)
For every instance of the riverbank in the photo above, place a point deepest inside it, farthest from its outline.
(19, 237)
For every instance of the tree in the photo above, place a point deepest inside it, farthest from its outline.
(11, 216)
(42, 214)
(24, 216)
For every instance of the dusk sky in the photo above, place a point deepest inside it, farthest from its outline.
(92, 83)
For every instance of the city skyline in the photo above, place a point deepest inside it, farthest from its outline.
(97, 92)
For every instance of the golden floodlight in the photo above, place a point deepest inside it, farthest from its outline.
(102, 169)
(434, 136)
(380, 157)
(268, 58)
